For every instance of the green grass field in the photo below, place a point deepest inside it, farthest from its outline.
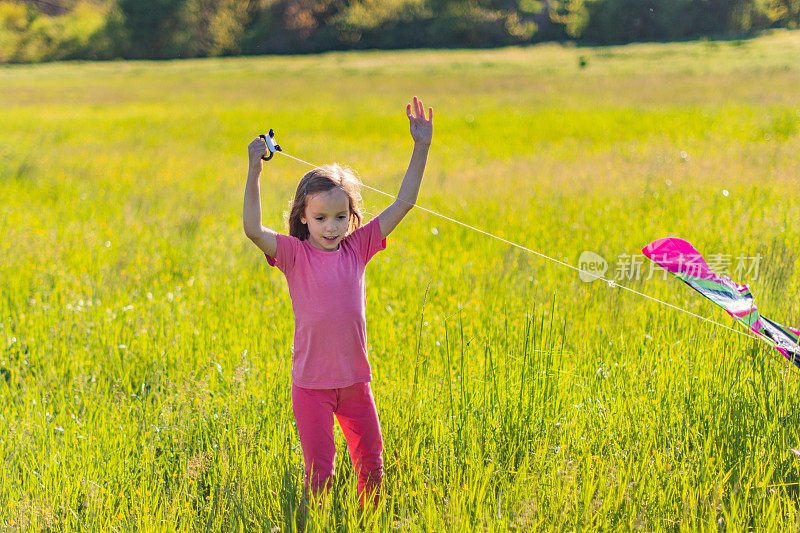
(145, 345)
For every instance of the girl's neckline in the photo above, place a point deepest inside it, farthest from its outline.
(323, 252)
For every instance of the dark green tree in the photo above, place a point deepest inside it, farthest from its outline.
(151, 27)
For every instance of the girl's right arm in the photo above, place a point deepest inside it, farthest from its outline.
(264, 238)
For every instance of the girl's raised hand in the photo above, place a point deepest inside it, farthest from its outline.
(421, 127)
(256, 149)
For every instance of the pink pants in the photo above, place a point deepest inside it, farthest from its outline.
(354, 407)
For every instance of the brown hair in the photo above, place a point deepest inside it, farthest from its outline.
(324, 179)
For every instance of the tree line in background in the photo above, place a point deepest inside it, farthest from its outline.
(47, 30)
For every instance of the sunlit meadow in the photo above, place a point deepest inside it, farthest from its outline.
(145, 345)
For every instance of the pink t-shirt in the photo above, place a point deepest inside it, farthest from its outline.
(329, 302)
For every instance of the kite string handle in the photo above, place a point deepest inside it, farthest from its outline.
(272, 146)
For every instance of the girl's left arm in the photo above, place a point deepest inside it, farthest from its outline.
(422, 133)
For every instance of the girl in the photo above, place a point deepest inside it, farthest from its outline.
(323, 259)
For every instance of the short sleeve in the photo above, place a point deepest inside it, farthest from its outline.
(285, 254)
(367, 240)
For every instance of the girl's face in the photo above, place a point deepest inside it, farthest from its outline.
(327, 217)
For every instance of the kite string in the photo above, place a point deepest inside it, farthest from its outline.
(611, 283)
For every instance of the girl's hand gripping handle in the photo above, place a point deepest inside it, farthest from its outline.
(256, 151)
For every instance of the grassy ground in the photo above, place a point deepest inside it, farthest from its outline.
(145, 347)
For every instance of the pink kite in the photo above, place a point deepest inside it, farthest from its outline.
(681, 259)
